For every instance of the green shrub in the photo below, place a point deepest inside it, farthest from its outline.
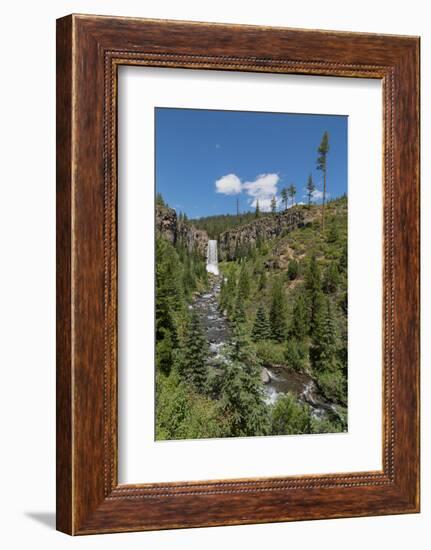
(270, 352)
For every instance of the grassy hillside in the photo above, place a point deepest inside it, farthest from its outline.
(306, 271)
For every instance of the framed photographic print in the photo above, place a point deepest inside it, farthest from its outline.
(237, 274)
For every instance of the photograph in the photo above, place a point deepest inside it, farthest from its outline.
(251, 273)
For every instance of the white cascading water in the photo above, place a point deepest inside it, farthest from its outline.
(212, 261)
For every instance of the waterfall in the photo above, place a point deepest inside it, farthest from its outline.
(212, 262)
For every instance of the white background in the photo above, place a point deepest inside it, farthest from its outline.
(141, 458)
(27, 273)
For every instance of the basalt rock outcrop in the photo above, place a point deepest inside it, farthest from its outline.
(232, 242)
(174, 230)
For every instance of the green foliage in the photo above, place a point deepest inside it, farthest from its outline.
(295, 354)
(343, 258)
(333, 384)
(242, 404)
(310, 189)
(270, 352)
(244, 282)
(164, 353)
(289, 416)
(239, 309)
(299, 325)
(325, 336)
(323, 152)
(277, 314)
(160, 201)
(284, 197)
(292, 192)
(182, 414)
(313, 287)
(292, 270)
(227, 291)
(333, 234)
(261, 329)
(331, 279)
(192, 365)
(262, 280)
(257, 211)
(322, 165)
(169, 292)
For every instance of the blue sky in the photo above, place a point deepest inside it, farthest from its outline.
(206, 159)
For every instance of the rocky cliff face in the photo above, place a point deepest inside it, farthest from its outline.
(174, 230)
(268, 227)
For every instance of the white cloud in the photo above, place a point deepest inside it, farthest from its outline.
(228, 185)
(317, 195)
(262, 189)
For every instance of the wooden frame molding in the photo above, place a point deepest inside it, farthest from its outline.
(89, 51)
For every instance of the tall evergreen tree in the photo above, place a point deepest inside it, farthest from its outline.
(278, 315)
(192, 365)
(325, 336)
(242, 401)
(239, 308)
(257, 211)
(262, 280)
(292, 270)
(169, 297)
(284, 197)
(331, 279)
(244, 282)
(310, 189)
(322, 165)
(299, 323)
(292, 192)
(313, 286)
(261, 329)
(333, 234)
(273, 204)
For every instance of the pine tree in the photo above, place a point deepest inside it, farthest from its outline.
(292, 192)
(299, 323)
(244, 282)
(192, 365)
(242, 401)
(313, 286)
(322, 165)
(159, 200)
(310, 189)
(343, 258)
(284, 197)
(277, 315)
(324, 349)
(261, 329)
(333, 234)
(169, 296)
(164, 353)
(331, 279)
(273, 205)
(262, 280)
(257, 211)
(239, 308)
(292, 270)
